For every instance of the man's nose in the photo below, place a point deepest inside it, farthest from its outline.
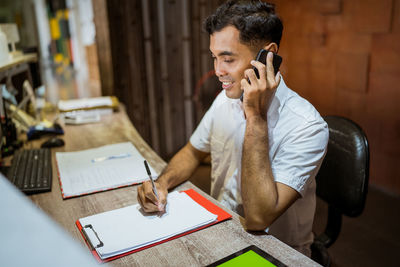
(219, 70)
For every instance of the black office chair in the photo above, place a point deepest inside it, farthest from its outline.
(342, 180)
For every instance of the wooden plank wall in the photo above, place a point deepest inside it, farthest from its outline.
(127, 46)
(158, 56)
(103, 47)
(344, 57)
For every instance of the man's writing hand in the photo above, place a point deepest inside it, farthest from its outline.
(148, 200)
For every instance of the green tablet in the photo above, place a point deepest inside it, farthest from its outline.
(250, 256)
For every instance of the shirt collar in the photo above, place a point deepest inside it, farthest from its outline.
(236, 105)
(277, 103)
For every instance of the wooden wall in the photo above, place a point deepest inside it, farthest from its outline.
(103, 44)
(342, 55)
(158, 54)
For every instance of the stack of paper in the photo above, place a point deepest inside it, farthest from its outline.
(100, 169)
(102, 102)
(119, 231)
(87, 110)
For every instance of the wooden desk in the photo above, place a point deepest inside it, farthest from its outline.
(196, 249)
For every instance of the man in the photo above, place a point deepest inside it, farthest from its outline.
(266, 150)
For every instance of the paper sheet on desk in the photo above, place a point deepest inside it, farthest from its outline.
(85, 103)
(99, 169)
(126, 229)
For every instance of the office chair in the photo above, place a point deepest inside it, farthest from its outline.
(342, 180)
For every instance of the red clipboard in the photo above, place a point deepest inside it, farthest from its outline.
(207, 204)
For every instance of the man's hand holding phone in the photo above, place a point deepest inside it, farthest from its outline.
(259, 90)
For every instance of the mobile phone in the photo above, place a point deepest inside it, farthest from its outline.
(262, 57)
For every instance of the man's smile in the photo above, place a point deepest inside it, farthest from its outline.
(226, 84)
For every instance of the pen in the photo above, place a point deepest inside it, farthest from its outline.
(151, 178)
(120, 156)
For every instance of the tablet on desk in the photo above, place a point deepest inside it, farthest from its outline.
(250, 256)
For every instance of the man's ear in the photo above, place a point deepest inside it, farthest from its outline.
(273, 47)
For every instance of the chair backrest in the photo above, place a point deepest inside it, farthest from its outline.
(342, 180)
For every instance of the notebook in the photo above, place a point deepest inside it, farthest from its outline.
(119, 232)
(99, 169)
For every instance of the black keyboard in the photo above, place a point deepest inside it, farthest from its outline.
(31, 170)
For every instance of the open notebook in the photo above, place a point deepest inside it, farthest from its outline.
(99, 169)
(126, 230)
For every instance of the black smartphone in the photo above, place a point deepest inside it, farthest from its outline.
(262, 57)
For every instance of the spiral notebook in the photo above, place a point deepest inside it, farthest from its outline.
(119, 232)
(100, 169)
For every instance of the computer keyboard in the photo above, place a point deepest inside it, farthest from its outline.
(31, 170)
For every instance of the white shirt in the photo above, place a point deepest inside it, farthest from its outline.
(298, 138)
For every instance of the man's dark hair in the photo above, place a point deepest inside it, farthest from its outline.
(255, 20)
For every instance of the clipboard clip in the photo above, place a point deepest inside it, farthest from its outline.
(88, 239)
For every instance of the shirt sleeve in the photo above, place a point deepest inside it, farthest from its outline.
(300, 155)
(201, 137)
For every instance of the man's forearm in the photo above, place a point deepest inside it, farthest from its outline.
(259, 192)
(181, 167)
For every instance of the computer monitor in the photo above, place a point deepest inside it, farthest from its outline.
(29, 237)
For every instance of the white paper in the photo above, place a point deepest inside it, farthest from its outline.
(83, 116)
(83, 103)
(88, 112)
(101, 168)
(129, 228)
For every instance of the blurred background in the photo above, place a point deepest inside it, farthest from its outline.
(341, 55)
